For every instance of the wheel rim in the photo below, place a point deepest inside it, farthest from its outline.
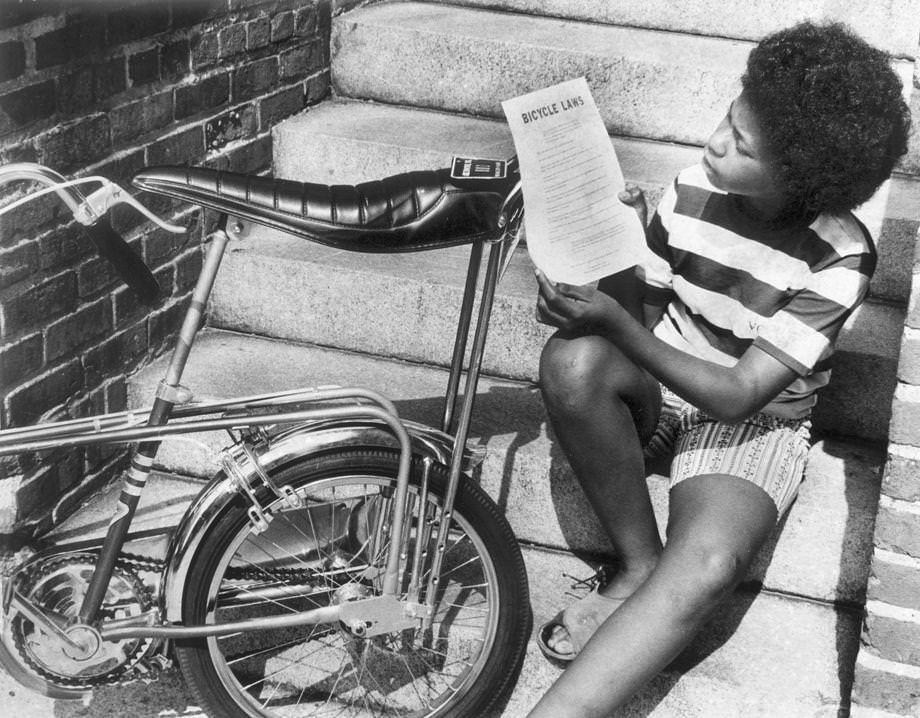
(324, 669)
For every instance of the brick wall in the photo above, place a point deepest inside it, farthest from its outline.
(107, 88)
(888, 664)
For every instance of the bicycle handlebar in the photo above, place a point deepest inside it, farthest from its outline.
(90, 213)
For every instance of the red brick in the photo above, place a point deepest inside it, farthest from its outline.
(21, 107)
(886, 691)
(905, 422)
(232, 40)
(116, 395)
(282, 26)
(307, 21)
(109, 78)
(40, 492)
(179, 148)
(75, 91)
(909, 364)
(254, 78)
(892, 639)
(295, 63)
(258, 33)
(897, 530)
(13, 14)
(20, 360)
(12, 60)
(254, 156)
(188, 268)
(63, 247)
(77, 144)
(204, 47)
(175, 59)
(207, 94)
(28, 220)
(83, 327)
(136, 118)
(39, 304)
(274, 108)
(144, 67)
(75, 40)
(18, 263)
(902, 478)
(115, 355)
(164, 324)
(29, 402)
(894, 583)
(317, 88)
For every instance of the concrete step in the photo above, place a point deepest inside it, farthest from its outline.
(647, 83)
(273, 285)
(892, 26)
(349, 142)
(748, 642)
(822, 554)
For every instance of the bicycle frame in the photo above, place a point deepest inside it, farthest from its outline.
(315, 418)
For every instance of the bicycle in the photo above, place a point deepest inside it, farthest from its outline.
(341, 558)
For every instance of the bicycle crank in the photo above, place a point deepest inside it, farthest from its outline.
(41, 631)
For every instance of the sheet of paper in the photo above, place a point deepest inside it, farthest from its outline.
(577, 229)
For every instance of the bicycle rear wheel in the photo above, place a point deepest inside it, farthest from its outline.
(331, 550)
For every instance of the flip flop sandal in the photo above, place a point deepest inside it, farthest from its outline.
(580, 620)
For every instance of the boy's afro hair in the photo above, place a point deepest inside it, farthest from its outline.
(832, 112)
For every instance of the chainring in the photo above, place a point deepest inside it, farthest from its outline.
(57, 585)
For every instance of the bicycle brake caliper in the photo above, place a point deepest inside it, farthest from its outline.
(241, 463)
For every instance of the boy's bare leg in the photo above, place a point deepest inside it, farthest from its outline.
(717, 524)
(599, 404)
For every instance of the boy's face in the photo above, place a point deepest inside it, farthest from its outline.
(735, 158)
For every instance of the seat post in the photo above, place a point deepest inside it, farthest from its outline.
(463, 333)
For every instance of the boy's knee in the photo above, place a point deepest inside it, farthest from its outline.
(575, 371)
(710, 572)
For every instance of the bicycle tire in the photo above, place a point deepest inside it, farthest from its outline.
(483, 604)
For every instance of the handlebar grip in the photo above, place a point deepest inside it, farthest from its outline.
(130, 267)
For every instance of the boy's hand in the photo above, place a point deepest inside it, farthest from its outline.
(635, 198)
(572, 308)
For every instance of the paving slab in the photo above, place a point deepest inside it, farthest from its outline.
(760, 655)
(822, 552)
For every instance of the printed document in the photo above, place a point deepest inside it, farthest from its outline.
(577, 229)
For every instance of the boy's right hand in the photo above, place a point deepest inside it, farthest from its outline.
(635, 198)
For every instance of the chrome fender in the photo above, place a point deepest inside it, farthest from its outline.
(279, 450)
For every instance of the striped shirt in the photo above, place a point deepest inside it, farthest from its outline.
(728, 281)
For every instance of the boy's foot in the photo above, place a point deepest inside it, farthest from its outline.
(563, 636)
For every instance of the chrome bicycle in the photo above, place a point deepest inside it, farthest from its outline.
(342, 561)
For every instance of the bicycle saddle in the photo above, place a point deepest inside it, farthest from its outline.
(402, 213)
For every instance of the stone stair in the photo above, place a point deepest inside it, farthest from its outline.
(417, 83)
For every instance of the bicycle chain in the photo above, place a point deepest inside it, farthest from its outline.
(145, 664)
(134, 668)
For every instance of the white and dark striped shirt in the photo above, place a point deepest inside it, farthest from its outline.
(729, 281)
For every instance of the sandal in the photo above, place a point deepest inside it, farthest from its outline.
(580, 621)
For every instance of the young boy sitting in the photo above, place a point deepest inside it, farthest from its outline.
(715, 346)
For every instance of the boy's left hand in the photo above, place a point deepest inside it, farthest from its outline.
(573, 308)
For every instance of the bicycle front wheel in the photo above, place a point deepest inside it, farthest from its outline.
(331, 549)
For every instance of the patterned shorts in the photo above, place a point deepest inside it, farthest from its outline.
(766, 450)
